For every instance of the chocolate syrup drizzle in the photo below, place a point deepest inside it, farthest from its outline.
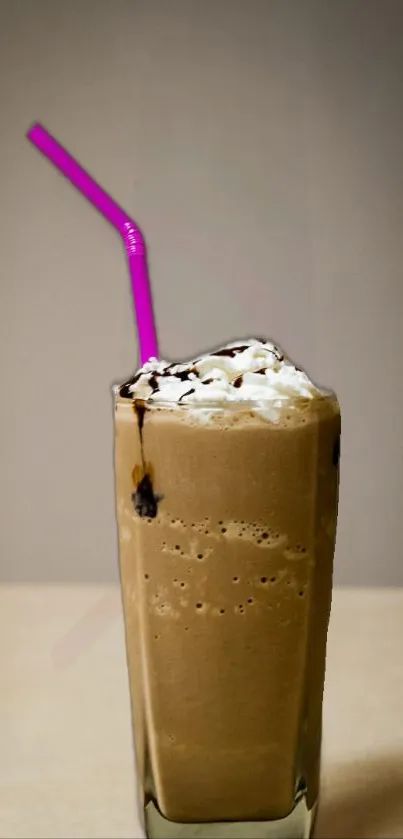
(145, 501)
(139, 408)
(190, 373)
(230, 352)
(153, 382)
(124, 390)
(188, 392)
(183, 375)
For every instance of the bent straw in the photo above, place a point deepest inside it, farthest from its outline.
(130, 233)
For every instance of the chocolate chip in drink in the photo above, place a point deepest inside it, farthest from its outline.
(238, 381)
(145, 501)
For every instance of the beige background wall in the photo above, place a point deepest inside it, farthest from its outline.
(259, 144)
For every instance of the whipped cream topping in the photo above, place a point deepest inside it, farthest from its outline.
(243, 371)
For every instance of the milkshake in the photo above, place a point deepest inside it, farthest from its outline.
(227, 471)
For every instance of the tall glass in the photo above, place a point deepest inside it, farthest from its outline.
(227, 522)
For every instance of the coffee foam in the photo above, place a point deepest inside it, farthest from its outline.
(250, 371)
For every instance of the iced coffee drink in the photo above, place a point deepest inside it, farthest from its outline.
(227, 472)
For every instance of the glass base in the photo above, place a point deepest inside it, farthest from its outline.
(297, 825)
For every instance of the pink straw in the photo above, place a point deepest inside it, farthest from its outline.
(130, 233)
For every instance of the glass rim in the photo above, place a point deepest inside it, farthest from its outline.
(279, 401)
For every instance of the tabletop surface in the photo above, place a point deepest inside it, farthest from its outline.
(66, 768)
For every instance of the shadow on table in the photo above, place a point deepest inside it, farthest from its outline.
(362, 800)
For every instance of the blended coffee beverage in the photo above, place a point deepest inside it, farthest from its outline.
(227, 489)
